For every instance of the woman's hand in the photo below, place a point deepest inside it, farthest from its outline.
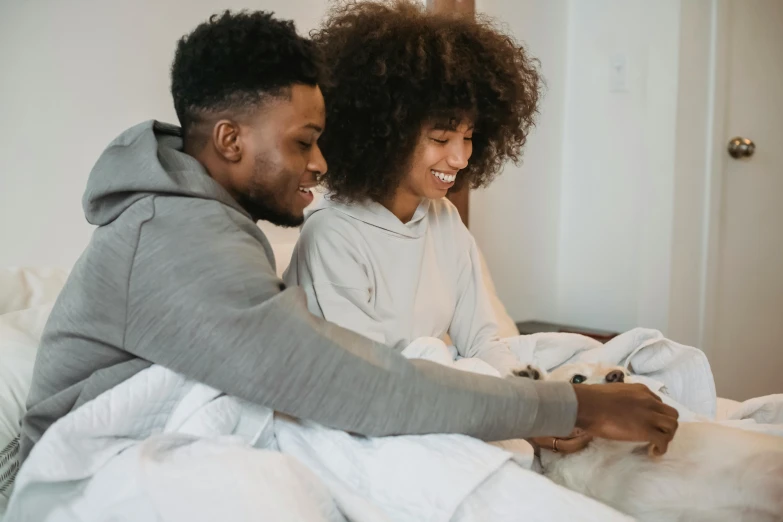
(577, 441)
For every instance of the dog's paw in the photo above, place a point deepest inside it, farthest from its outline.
(529, 372)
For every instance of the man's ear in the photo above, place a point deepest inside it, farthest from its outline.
(227, 141)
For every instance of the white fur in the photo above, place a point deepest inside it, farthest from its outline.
(710, 472)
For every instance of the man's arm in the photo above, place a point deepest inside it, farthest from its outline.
(205, 302)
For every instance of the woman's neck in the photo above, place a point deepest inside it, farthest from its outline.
(403, 205)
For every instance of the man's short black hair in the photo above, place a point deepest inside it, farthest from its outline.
(234, 60)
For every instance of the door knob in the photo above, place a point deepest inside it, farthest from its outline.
(741, 148)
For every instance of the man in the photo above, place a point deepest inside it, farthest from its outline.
(178, 274)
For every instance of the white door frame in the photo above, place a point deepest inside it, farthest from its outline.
(699, 168)
(717, 156)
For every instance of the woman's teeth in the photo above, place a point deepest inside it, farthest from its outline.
(304, 189)
(446, 178)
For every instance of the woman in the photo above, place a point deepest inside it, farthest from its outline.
(417, 105)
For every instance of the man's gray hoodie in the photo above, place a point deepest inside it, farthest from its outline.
(178, 274)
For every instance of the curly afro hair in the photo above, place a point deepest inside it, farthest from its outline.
(393, 67)
(234, 60)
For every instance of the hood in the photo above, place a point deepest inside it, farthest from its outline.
(376, 215)
(146, 160)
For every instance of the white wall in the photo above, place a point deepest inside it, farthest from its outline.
(586, 221)
(74, 75)
(618, 165)
(581, 232)
(516, 220)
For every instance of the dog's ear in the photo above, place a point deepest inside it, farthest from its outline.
(529, 372)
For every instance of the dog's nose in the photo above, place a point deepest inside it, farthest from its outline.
(615, 376)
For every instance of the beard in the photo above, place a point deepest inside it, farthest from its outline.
(263, 207)
(268, 194)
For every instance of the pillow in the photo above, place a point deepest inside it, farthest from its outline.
(20, 333)
(23, 287)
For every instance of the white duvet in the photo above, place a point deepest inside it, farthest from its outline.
(160, 447)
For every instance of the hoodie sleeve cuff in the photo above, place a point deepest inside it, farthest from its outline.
(556, 414)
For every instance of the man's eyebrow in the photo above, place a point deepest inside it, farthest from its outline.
(314, 126)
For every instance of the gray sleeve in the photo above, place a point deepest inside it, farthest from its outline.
(205, 302)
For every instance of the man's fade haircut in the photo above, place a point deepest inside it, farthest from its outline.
(235, 60)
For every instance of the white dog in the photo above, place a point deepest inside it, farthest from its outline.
(710, 472)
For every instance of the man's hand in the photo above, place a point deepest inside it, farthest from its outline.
(625, 412)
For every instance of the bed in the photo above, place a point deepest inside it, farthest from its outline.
(26, 298)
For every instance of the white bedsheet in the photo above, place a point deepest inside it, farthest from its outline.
(160, 447)
(763, 414)
(681, 372)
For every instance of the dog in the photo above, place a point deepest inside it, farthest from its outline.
(709, 473)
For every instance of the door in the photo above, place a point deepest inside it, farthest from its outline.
(747, 325)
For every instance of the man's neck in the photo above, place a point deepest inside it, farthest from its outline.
(213, 168)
